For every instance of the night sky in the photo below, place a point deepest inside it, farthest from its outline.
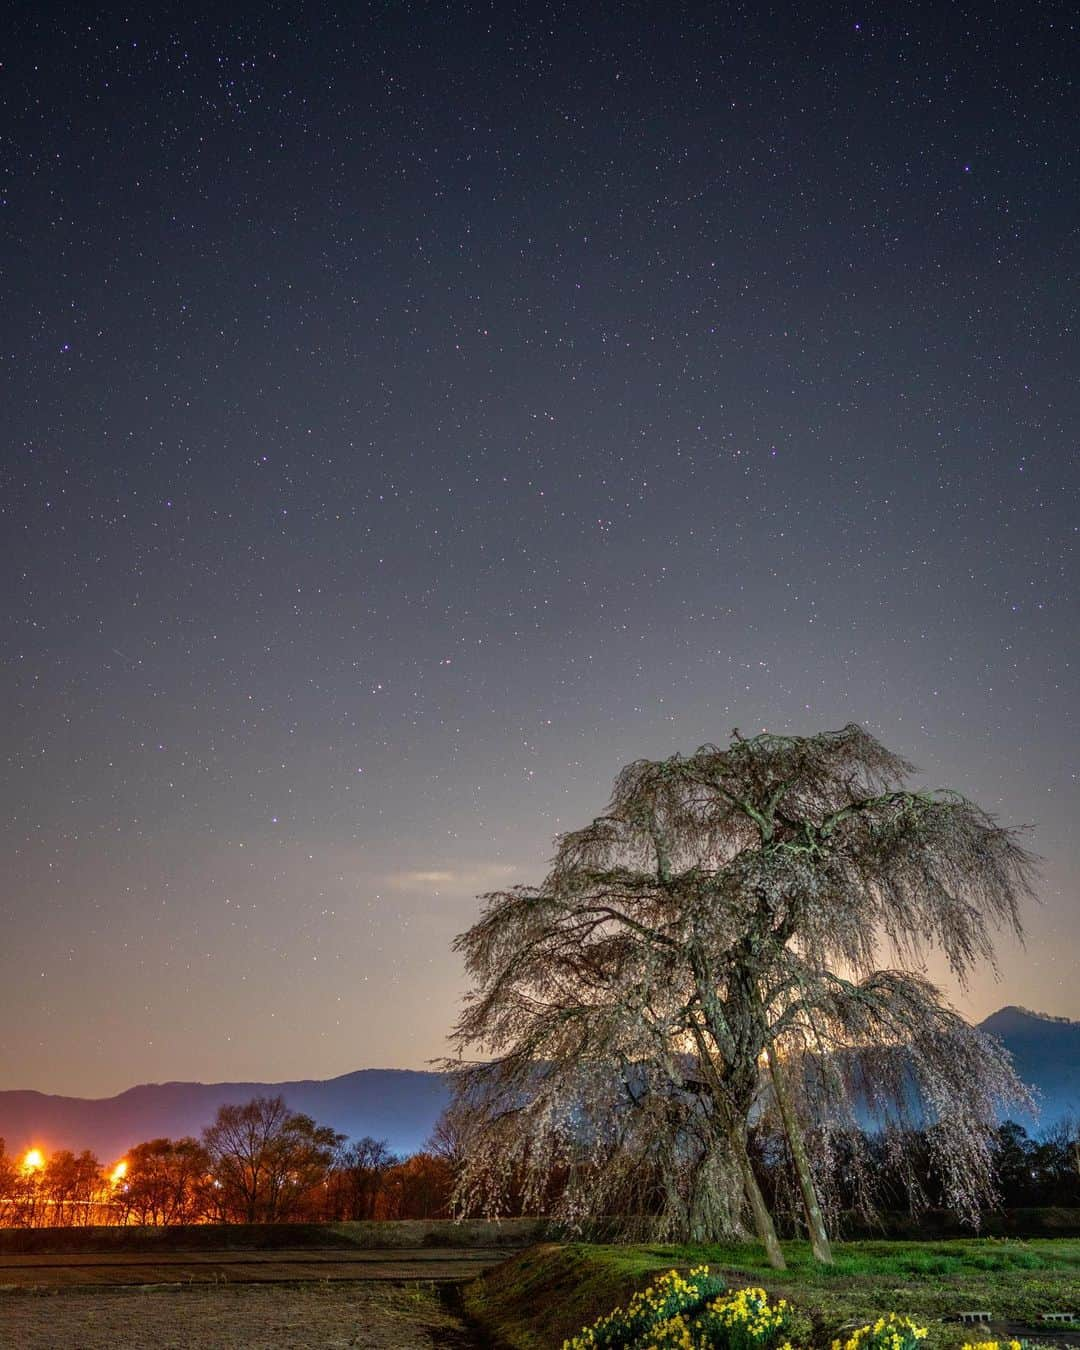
(414, 412)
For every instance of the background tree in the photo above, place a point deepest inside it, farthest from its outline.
(709, 948)
(9, 1175)
(72, 1188)
(1040, 1171)
(265, 1158)
(420, 1187)
(359, 1178)
(166, 1183)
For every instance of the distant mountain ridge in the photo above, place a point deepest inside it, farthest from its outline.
(1046, 1055)
(398, 1105)
(402, 1105)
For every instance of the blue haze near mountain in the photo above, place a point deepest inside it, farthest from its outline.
(1046, 1055)
(402, 1105)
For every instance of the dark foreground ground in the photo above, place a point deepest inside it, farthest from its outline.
(234, 1317)
(47, 1274)
(181, 1290)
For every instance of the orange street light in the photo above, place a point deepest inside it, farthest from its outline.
(34, 1160)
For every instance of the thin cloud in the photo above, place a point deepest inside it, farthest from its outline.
(465, 880)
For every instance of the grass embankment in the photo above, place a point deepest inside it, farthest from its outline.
(548, 1293)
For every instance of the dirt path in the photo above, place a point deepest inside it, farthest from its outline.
(232, 1317)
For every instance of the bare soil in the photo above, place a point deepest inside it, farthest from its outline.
(44, 1272)
(232, 1317)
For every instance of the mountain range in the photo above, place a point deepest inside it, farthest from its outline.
(398, 1105)
(1046, 1055)
(402, 1105)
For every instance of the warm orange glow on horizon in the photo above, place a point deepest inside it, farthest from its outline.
(34, 1160)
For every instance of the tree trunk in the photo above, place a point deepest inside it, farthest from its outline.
(736, 1131)
(763, 1224)
(714, 1204)
(815, 1221)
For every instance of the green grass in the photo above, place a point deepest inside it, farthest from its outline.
(537, 1299)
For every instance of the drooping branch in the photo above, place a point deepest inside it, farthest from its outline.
(701, 924)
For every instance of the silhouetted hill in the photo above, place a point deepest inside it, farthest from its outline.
(1046, 1054)
(399, 1105)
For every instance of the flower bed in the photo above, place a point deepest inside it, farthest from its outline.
(694, 1312)
(690, 1313)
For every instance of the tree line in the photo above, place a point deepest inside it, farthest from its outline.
(257, 1162)
(261, 1163)
(1031, 1171)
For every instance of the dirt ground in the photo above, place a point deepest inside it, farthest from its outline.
(381, 1316)
(43, 1272)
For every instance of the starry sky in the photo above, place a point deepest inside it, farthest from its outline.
(415, 411)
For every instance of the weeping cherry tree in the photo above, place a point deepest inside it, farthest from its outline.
(740, 936)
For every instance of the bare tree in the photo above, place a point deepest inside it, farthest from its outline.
(266, 1157)
(9, 1186)
(72, 1187)
(447, 1139)
(166, 1182)
(709, 948)
(360, 1176)
(419, 1187)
